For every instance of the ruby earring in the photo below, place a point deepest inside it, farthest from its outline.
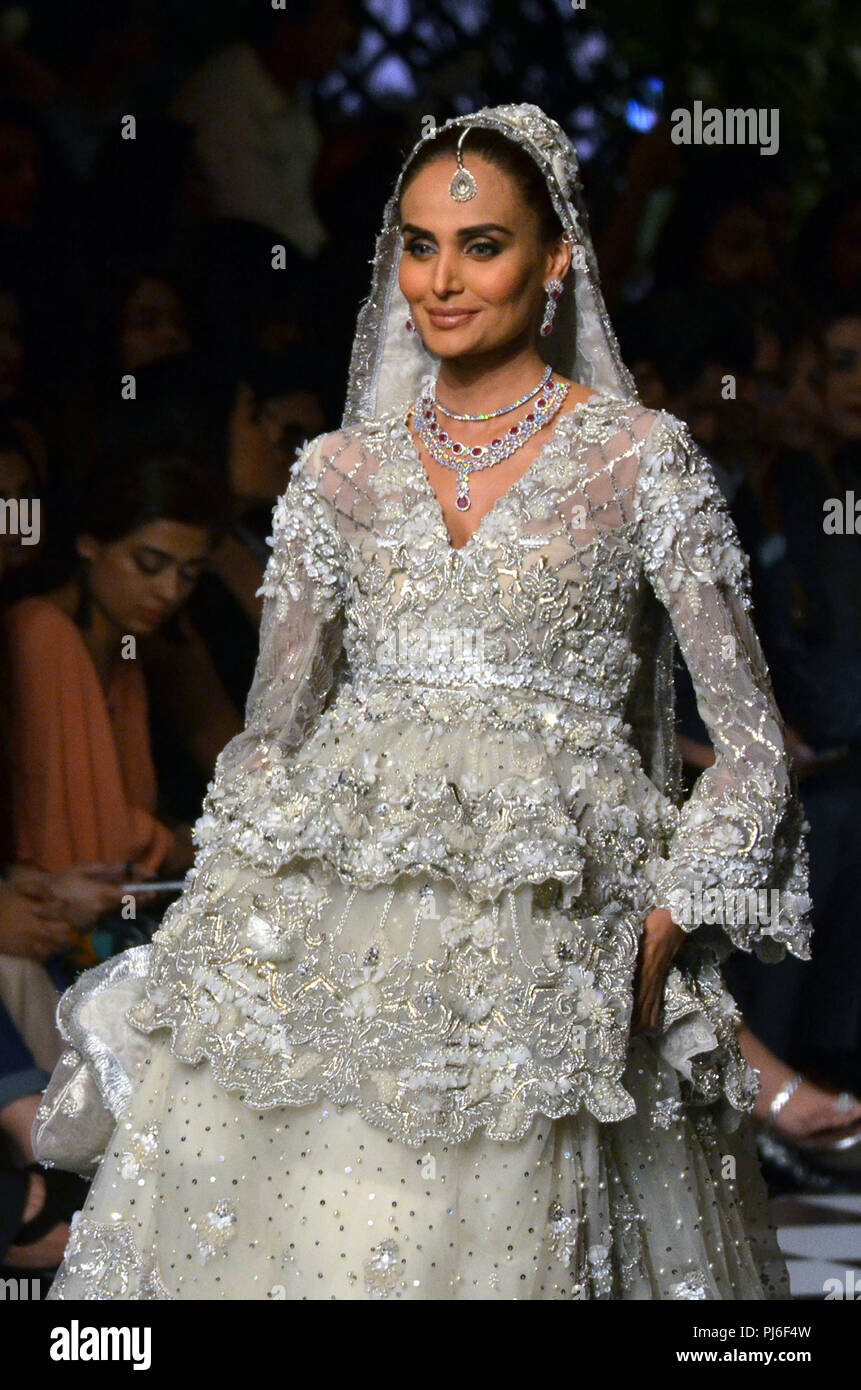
(409, 325)
(554, 289)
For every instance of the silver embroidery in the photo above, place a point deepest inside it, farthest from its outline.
(667, 1113)
(141, 1152)
(383, 1270)
(103, 1262)
(369, 764)
(600, 1270)
(215, 1229)
(562, 1234)
(692, 1287)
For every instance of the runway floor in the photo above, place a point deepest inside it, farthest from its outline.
(820, 1235)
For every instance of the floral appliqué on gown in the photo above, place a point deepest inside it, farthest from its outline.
(380, 1046)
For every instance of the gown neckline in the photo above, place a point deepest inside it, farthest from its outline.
(508, 495)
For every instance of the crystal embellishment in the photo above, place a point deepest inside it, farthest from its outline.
(463, 186)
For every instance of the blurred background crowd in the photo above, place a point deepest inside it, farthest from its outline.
(158, 373)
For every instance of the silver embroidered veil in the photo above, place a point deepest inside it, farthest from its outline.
(389, 363)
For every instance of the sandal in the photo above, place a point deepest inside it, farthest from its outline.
(828, 1144)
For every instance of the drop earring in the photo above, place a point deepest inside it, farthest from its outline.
(554, 289)
(409, 325)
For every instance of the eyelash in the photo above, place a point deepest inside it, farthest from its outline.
(151, 567)
(492, 246)
(147, 566)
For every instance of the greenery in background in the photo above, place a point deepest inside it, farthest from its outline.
(801, 56)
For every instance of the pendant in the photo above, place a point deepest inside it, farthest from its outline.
(462, 186)
(462, 500)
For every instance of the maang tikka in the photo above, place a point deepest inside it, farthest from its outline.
(463, 186)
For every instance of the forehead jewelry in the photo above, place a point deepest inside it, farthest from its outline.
(463, 185)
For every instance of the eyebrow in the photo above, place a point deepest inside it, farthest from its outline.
(463, 231)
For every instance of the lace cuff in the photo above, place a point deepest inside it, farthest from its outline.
(738, 859)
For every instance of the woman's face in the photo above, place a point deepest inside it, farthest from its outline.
(153, 325)
(842, 395)
(140, 581)
(264, 440)
(473, 273)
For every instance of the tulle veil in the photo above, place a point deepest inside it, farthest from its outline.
(388, 365)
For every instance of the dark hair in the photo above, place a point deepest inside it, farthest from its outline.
(182, 402)
(108, 304)
(131, 484)
(682, 336)
(506, 155)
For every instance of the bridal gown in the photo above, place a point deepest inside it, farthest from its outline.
(380, 1046)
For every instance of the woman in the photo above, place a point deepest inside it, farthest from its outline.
(36, 1204)
(83, 789)
(432, 1029)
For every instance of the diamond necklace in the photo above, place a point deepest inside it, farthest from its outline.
(469, 458)
(503, 410)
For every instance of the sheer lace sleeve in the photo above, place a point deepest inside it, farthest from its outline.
(301, 635)
(738, 858)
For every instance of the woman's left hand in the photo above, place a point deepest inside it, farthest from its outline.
(659, 942)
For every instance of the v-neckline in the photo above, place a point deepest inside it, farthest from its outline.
(425, 482)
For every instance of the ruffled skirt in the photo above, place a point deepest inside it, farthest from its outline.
(296, 1117)
(199, 1197)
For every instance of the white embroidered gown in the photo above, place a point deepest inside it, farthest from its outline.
(379, 1047)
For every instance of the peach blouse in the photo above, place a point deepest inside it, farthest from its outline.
(82, 777)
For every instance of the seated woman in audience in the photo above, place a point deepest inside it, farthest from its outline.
(83, 788)
(41, 917)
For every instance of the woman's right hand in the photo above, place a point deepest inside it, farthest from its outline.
(77, 896)
(82, 894)
(28, 930)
